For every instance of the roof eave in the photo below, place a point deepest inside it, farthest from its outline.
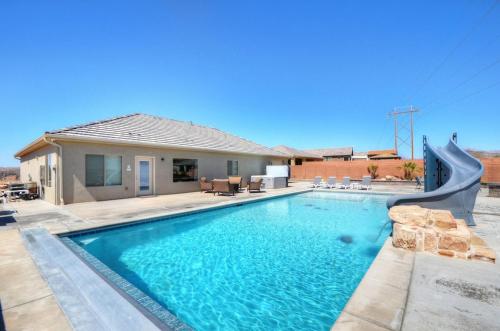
(308, 157)
(31, 147)
(76, 138)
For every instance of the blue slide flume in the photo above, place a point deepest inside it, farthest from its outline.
(452, 181)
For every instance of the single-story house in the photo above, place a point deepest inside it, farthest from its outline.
(329, 154)
(136, 155)
(359, 156)
(385, 154)
(296, 156)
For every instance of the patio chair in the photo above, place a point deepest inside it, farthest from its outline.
(331, 182)
(418, 179)
(205, 185)
(222, 186)
(317, 182)
(346, 183)
(235, 181)
(366, 183)
(254, 185)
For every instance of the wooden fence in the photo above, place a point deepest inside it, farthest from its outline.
(357, 169)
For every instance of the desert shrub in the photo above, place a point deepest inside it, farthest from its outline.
(410, 170)
(372, 170)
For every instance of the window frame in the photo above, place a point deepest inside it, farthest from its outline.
(230, 168)
(48, 168)
(104, 156)
(43, 174)
(184, 179)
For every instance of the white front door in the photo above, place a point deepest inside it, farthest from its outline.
(144, 175)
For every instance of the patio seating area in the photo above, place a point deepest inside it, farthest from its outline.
(229, 186)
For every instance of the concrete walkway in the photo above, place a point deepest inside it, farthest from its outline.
(26, 300)
(452, 294)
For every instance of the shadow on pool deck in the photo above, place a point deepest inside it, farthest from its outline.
(451, 294)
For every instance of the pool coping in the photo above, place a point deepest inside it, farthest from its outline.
(160, 316)
(174, 214)
(379, 301)
(86, 299)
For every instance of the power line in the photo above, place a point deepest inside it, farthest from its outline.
(480, 50)
(454, 49)
(465, 81)
(472, 94)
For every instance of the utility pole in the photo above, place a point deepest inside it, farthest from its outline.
(398, 138)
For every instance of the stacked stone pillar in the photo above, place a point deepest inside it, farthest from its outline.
(437, 232)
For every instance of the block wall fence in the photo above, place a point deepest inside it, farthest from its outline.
(358, 168)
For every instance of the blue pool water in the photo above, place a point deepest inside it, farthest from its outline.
(286, 263)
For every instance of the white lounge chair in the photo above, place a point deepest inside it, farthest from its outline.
(331, 182)
(317, 182)
(346, 183)
(366, 183)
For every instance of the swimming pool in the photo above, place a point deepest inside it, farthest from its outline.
(285, 263)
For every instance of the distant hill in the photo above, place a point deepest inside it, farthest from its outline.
(9, 174)
(483, 154)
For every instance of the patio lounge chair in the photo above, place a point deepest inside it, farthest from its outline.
(346, 183)
(222, 186)
(366, 183)
(205, 185)
(254, 186)
(331, 182)
(235, 181)
(317, 182)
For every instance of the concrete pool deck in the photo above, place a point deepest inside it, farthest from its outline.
(390, 296)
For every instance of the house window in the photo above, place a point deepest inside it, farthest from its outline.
(112, 170)
(101, 170)
(49, 170)
(185, 170)
(42, 175)
(232, 168)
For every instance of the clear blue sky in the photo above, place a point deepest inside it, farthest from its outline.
(326, 73)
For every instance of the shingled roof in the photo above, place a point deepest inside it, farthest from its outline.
(293, 152)
(341, 151)
(162, 132)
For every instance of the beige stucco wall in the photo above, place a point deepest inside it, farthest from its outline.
(30, 170)
(210, 164)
